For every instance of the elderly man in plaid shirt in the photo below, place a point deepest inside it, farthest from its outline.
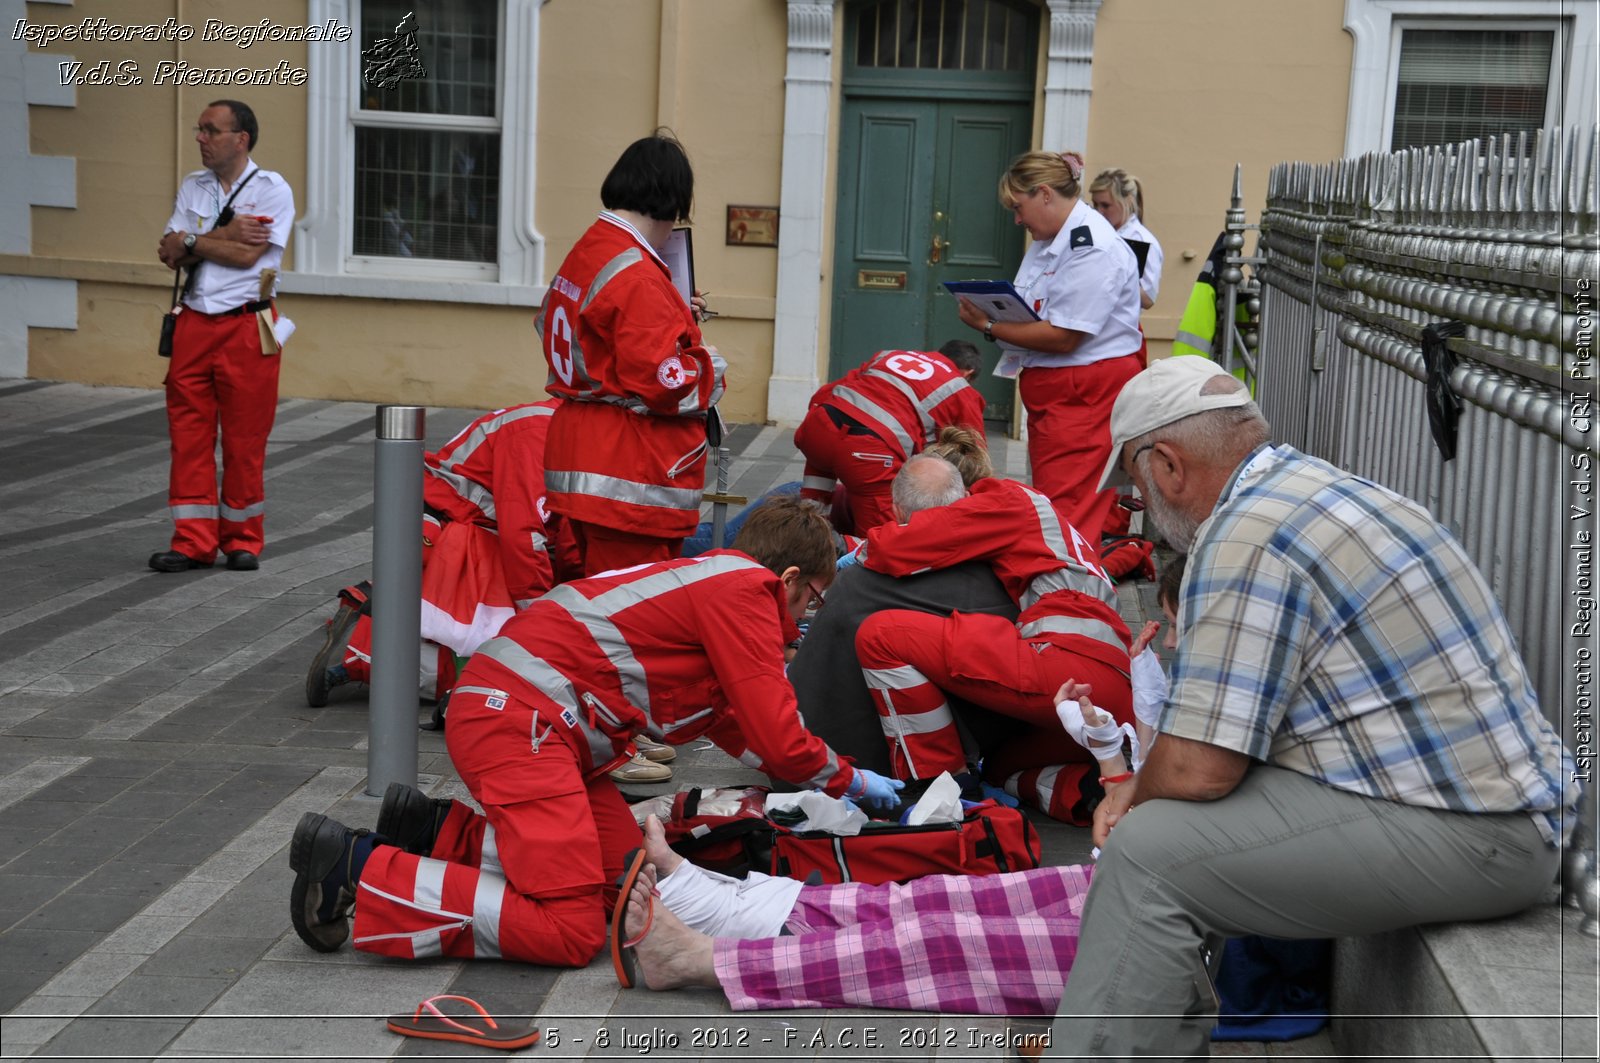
(1351, 743)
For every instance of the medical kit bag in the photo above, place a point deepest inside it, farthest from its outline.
(728, 830)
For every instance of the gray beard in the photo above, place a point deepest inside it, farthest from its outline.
(1177, 529)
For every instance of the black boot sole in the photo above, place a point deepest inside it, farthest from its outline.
(317, 846)
(338, 636)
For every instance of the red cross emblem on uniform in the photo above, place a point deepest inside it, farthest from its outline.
(673, 373)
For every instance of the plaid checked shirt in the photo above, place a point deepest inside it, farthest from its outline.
(1331, 627)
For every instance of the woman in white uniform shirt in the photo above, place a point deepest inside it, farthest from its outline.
(1119, 198)
(1082, 281)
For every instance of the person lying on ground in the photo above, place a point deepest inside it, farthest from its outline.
(981, 944)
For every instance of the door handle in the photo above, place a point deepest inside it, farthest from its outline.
(936, 252)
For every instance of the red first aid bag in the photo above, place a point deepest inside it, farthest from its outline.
(990, 839)
(727, 830)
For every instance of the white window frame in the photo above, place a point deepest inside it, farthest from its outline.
(325, 262)
(1378, 25)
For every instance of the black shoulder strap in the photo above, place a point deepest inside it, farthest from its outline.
(189, 283)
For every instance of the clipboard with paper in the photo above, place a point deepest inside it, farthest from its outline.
(1001, 301)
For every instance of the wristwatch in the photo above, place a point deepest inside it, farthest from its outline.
(188, 241)
(988, 330)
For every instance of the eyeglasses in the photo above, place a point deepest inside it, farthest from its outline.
(209, 131)
(1133, 461)
(817, 599)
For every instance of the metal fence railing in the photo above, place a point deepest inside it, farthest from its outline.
(1355, 258)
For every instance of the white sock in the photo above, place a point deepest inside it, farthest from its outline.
(715, 904)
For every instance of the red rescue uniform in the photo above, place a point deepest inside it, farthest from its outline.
(679, 650)
(489, 545)
(862, 427)
(626, 457)
(220, 382)
(1068, 628)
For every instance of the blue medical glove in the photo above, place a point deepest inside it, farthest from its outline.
(874, 790)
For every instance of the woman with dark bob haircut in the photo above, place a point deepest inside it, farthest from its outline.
(626, 455)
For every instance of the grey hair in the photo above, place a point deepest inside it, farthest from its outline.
(1224, 435)
(925, 482)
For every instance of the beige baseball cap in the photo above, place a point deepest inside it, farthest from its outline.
(1168, 391)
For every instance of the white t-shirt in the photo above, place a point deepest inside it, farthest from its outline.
(200, 199)
(1150, 282)
(1086, 279)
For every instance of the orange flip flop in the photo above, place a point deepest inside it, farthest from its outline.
(435, 1024)
(621, 948)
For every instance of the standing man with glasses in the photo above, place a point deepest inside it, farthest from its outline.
(231, 221)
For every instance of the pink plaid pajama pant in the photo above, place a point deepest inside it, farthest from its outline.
(982, 944)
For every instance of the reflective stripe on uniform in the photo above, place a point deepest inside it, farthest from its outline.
(818, 483)
(902, 678)
(193, 512)
(486, 900)
(489, 857)
(424, 943)
(616, 489)
(918, 723)
(904, 387)
(1098, 630)
(886, 420)
(595, 614)
(553, 684)
(471, 490)
(428, 890)
(580, 370)
(254, 509)
(1061, 579)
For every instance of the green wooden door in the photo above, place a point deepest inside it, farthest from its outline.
(938, 97)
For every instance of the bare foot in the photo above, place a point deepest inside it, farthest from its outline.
(671, 955)
(656, 849)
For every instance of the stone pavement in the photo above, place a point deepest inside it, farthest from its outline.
(158, 752)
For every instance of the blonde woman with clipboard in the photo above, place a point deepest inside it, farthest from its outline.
(1082, 281)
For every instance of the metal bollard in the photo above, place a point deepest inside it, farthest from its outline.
(396, 598)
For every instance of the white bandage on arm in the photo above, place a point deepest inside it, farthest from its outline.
(1103, 739)
(1150, 688)
(724, 907)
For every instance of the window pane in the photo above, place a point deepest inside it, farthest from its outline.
(942, 35)
(1458, 84)
(426, 194)
(459, 51)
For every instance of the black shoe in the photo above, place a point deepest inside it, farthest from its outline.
(410, 818)
(324, 890)
(321, 677)
(242, 561)
(173, 561)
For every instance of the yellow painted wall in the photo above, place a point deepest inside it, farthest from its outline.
(712, 72)
(1185, 89)
(134, 143)
(1163, 107)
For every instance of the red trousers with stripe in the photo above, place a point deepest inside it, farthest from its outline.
(603, 549)
(1069, 435)
(219, 381)
(863, 463)
(530, 879)
(912, 660)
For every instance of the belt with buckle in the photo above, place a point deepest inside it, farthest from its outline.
(247, 308)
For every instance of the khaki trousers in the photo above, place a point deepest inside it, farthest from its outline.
(1282, 856)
